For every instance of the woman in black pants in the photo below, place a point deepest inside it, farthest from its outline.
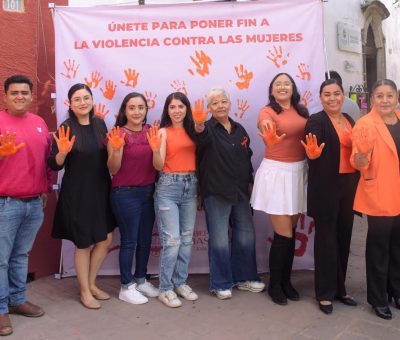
(332, 183)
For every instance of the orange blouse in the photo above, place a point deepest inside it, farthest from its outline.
(180, 155)
(345, 140)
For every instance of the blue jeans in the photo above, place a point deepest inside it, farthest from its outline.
(231, 261)
(133, 208)
(176, 206)
(19, 224)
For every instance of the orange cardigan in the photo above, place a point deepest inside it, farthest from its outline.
(378, 191)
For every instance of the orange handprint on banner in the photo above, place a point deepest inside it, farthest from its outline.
(244, 77)
(202, 63)
(179, 86)
(100, 110)
(304, 72)
(151, 99)
(302, 236)
(131, 78)
(242, 107)
(94, 81)
(307, 98)
(109, 92)
(277, 57)
(71, 69)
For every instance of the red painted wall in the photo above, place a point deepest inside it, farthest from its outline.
(27, 40)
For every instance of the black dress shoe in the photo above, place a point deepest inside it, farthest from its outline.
(383, 312)
(396, 300)
(277, 296)
(327, 309)
(347, 300)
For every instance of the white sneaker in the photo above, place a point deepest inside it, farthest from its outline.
(147, 289)
(251, 286)
(132, 295)
(223, 294)
(186, 292)
(169, 299)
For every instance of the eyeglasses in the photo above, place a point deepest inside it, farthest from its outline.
(78, 100)
(283, 85)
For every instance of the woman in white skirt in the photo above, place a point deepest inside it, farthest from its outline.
(281, 180)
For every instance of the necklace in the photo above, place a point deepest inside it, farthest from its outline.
(392, 120)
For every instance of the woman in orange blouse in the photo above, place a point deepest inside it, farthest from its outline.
(332, 183)
(376, 152)
(175, 198)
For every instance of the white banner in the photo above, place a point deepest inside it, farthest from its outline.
(159, 49)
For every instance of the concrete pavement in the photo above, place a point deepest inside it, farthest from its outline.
(246, 316)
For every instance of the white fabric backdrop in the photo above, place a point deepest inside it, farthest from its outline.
(159, 49)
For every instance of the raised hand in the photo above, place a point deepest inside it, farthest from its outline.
(363, 140)
(269, 136)
(116, 139)
(64, 144)
(313, 151)
(7, 145)
(199, 115)
(153, 138)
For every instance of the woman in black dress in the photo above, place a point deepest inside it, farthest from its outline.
(83, 214)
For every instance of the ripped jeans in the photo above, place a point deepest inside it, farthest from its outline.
(175, 201)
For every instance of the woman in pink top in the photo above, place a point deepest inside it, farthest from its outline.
(280, 181)
(130, 161)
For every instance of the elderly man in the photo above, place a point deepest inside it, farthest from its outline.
(24, 148)
(225, 170)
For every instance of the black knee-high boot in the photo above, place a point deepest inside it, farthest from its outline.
(277, 259)
(287, 287)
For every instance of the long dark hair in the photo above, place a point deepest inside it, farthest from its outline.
(294, 99)
(95, 122)
(188, 123)
(121, 119)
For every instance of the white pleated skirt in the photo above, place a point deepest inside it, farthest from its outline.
(280, 188)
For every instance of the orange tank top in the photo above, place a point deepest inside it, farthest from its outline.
(180, 155)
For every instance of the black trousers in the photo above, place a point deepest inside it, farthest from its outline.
(382, 256)
(332, 245)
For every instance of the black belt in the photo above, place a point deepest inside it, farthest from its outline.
(23, 199)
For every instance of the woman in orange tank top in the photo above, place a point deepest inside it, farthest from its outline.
(174, 155)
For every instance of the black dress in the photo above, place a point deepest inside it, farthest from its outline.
(83, 213)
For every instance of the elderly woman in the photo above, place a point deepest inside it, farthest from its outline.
(280, 182)
(376, 153)
(225, 170)
(332, 183)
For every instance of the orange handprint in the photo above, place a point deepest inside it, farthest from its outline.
(109, 92)
(71, 69)
(100, 110)
(202, 63)
(7, 144)
(153, 138)
(116, 139)
(304, 70)
(64, 144)
(269, 136)
(307, 98)
(151, 99)
(179, 86)
(95, 80)
(244, 76)
(313, 151)
(131, 78)
(302, 237)
(242, 107)
(199, 115)
(363, 140)
(276, 56)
